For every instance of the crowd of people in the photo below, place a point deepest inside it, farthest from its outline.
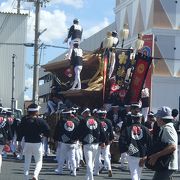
(83, 136)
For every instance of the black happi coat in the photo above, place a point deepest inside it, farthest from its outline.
(108, 129)
(90, 131)
(66, 130)
(32, 129)
(135, 140)
(5, 130)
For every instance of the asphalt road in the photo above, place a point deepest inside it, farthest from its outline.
(12, 169)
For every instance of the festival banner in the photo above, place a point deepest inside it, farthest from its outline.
(142, 65)
(123, 63)
(105, 74)
(148, 51)
(123, 68)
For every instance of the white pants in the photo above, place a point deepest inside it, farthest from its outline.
(78, 154)
(67, 149)
(112, 63)
(135, 169)
(106, 155)
(1, 149)
(123, 159)
(13, 144)
(58, 150)
(71, 45)
(21, 151)
(77, 80)
(145, 113)
(36, 150)
(178, 157)
(90, 151)
(46, 149)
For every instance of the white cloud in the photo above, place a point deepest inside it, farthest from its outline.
(55, 22)
(95, 28)
(29, 82)
(7, 6)
(74, 3)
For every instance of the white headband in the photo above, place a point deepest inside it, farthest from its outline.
(67, 112)
(87, 109)
(33, 109)
(102, 112)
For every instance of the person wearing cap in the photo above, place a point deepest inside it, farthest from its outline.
(52, 104)
(145, 99)
(125, 115)
(108, 41)
(136, 139)
(65, 133)
(115, 38)
(5, 135)
(114, 115)
(176, 123)
(150, 121)
(33, 128)
(77, 63)
(168, 135)
(91, 134)
(105, 151)
(78, 149)
(94, 112)
(75, 33)
(112, 54)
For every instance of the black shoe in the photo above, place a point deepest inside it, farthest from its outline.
(100, 171)
(82, 163)
(109, 173)
(77, 169)
(14, 154)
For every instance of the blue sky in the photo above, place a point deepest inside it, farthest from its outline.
(57, 17)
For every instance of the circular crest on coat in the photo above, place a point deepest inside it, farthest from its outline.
(92, 123)
(69, 126)
(104, 125)
(136, 132)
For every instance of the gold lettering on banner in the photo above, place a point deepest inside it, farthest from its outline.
(133, 61)
(140, 68)
(121, 72)
(122, 58)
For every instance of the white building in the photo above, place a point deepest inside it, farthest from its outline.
(13, 31)
(160, 18)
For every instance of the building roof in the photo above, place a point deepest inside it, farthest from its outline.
(13, 13)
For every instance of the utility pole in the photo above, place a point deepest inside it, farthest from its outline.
(13, 83)
(18, 6)
(38, 5)
(36, 54)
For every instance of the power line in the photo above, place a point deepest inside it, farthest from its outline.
(62, 47)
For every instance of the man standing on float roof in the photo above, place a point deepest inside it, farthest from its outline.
(77, 63)
(75, 33)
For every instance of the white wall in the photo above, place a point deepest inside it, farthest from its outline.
(13, 29)
(165, 92)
